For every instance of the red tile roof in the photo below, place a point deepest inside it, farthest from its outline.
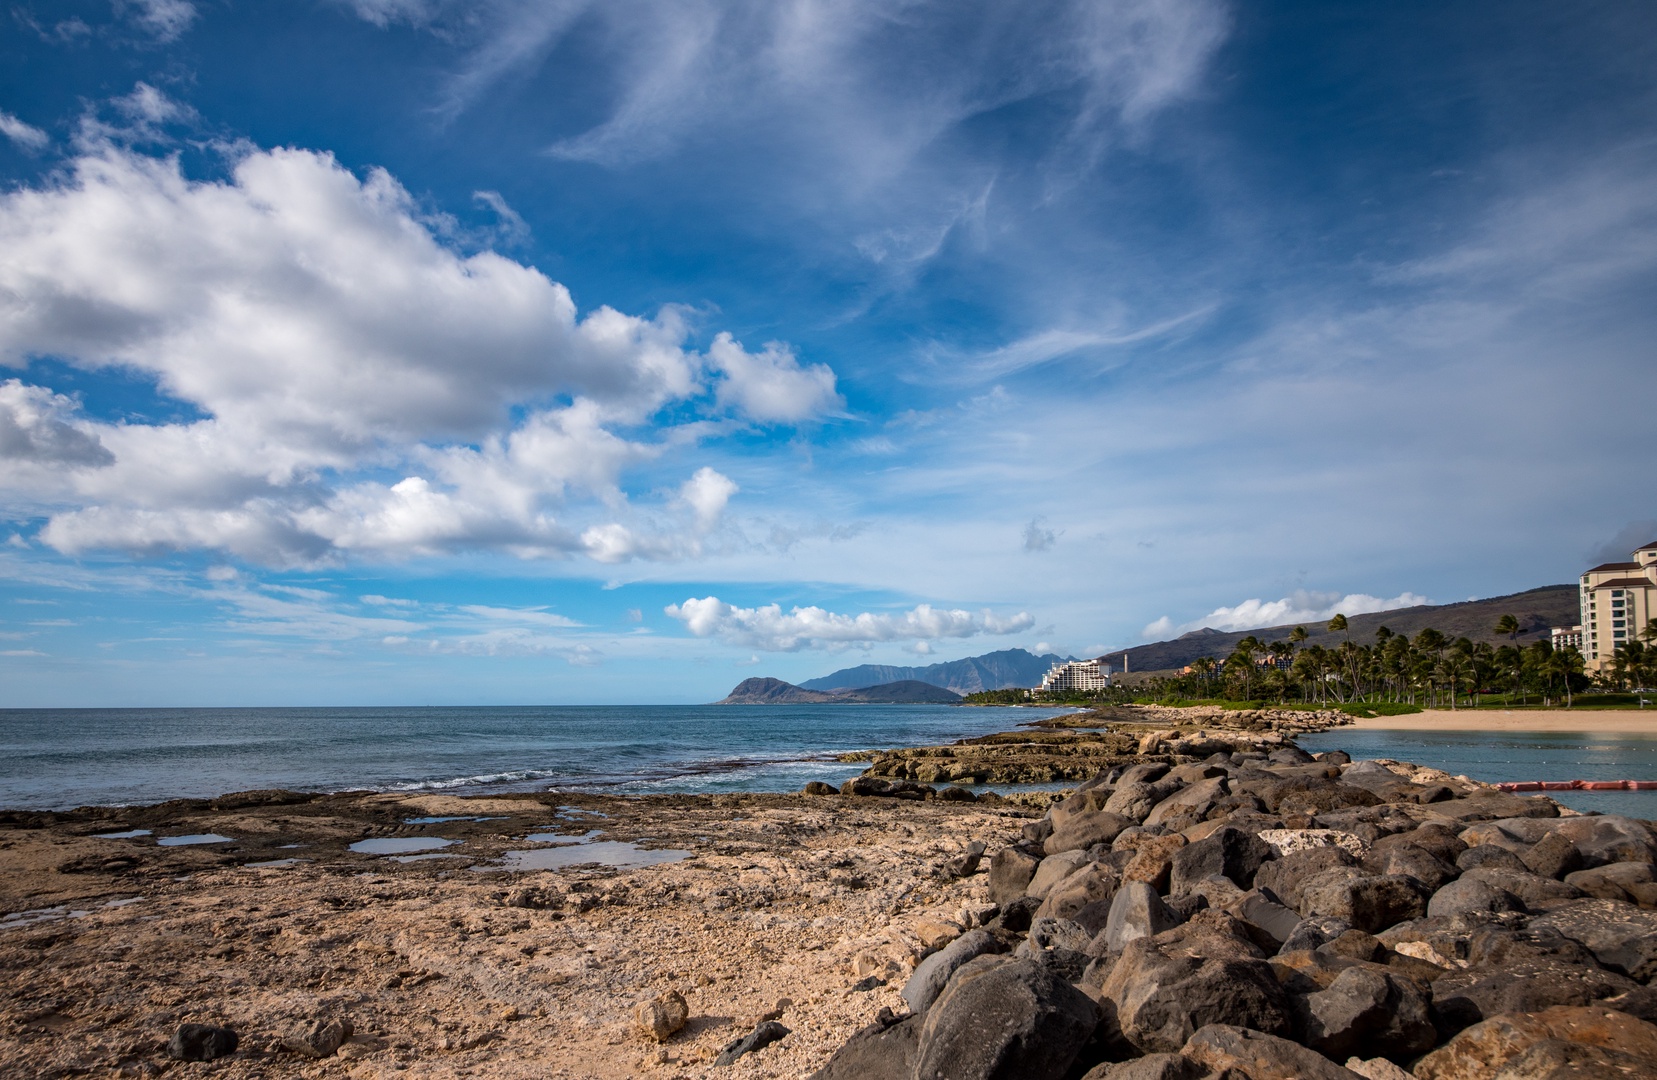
(1614, 566)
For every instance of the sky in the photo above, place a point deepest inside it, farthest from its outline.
(363, 352)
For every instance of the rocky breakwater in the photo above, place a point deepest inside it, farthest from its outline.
(1266, 915)
(1079, 750)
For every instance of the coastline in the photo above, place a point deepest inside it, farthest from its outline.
(1574, 721)
(809, 910)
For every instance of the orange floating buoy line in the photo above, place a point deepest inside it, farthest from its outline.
(1578, 785)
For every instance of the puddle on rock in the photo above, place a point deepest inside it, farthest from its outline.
(194, 838)
(616, 853)
(39, 915)
(570, 813)
(441, 820)
(563, 838)
(272, 864)
(423, 858)
(128, 835)
(399, 845)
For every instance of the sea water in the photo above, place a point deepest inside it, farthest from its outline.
(1496, 756)
(60, 758)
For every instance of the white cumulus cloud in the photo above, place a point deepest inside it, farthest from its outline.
(772, 629)
(1301, 607)
(363, 387)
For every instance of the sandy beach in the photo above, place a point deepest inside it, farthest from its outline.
(1580, 721)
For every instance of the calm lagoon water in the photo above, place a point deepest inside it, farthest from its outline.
(59, 758)
(1518, 755)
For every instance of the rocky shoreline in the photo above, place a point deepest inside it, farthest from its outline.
(1207, 903)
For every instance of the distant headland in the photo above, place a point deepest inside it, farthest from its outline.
(777, 692)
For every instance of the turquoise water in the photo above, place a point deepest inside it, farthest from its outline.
(59, 758)
(1518, 755)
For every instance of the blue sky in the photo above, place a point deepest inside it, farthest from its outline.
(409, 351)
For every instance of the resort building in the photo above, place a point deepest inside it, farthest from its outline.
(1082, 676)
(1566, 635)
(1617, 600)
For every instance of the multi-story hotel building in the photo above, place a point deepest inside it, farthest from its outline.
(1077, 676)
(1617, 599)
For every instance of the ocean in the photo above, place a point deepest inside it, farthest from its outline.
(1518, 755)
(60, 758)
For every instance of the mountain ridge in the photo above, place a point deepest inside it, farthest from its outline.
(988, 671)
(1536, 609)
(768, 691)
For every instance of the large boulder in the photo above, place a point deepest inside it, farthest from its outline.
(1227, 852)
(1232, 1050)
(1523, 984)
(1369, 1010)
(881, 1051)
(1054, 869)
(1006, 1020)
(1192, 802)
(1084, 896)
(1365, 902)
(1493, 856)
(1599, 839)
(1155, 1002)
(1135, 912)
(1137, 800)
(1536, 891)
(1153, 860)
(933, 973)
(1631, 882)
(1621, 936)
(1010, 872)
(1285, 876)
(1084, 830)
(1540, 1045)
(1471, 895)
(1150, 1067)
(1553, 856)
(1393, 855)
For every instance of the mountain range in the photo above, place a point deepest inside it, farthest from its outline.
(777, 692)
(991, 671)
(1536, 609)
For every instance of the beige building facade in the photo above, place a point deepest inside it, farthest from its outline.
(1617, 600)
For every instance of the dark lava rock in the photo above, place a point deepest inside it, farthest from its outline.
(817, 787)
(1007, 1020)
(1227, 852)
(1010, 872)
(1314, 933)
(1154, 1001)
(966, 864)
(762, 1036)
(1621, 936)
(1367, 903)
(1016, 916)
(881, 1051)
(1150, 1067)
(1395, 855)
(933, 973)
(1463, 998)
(1492, 856)
(1084, 830)
(1553, 857)
(201, 1042)
(1286, 875)
(1471, 895)
(1232, 1050)
(1368, 1011)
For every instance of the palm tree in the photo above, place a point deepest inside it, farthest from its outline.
(1509, 625)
